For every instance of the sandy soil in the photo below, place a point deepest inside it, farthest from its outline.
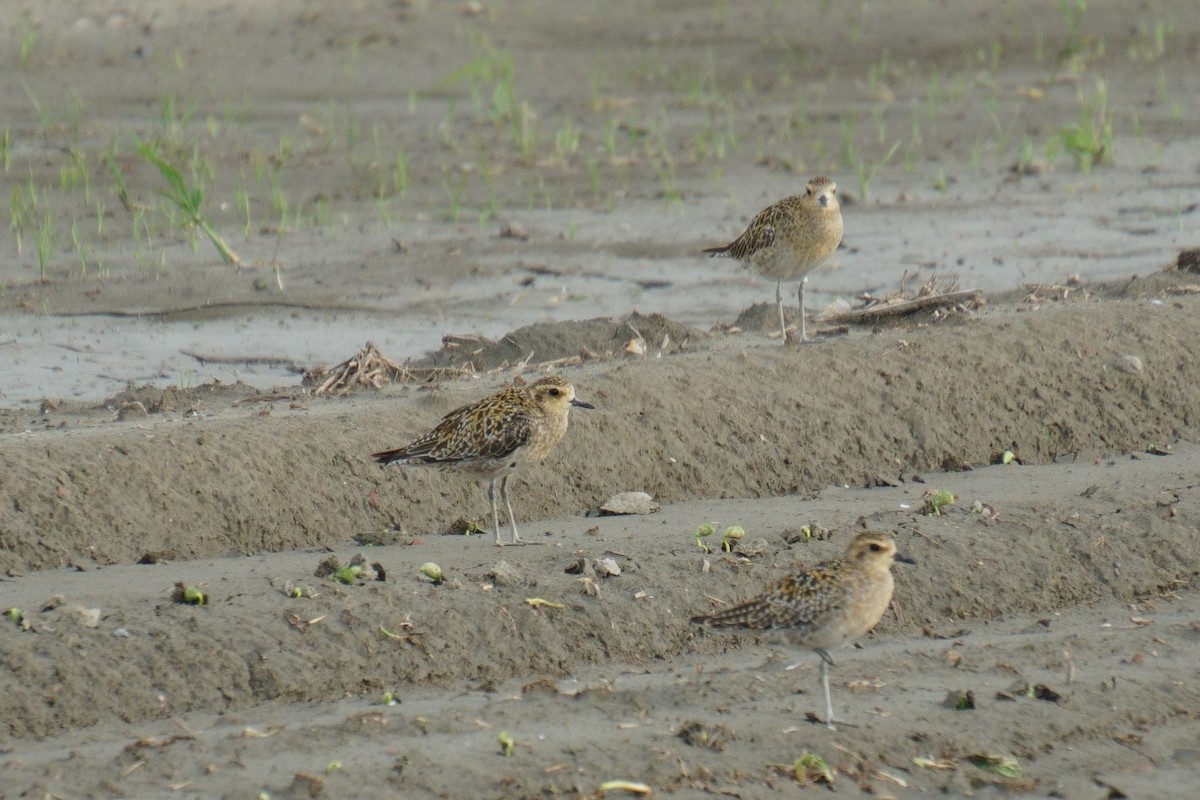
(383, 179)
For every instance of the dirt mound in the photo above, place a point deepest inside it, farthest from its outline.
(1069, 380)
(555, 342)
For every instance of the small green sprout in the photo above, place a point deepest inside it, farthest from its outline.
(14, 615)
(707, 529)
(507, 745)
(187, 199)
(347, 575)
(189, 595)
(432, 571)
(731, 536)
(811, 768)
(1008, 457)
(935, 501)
(389, 699)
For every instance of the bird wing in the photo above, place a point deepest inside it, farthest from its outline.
(760, 233)
(504, 433)
(796, 601)
(484, 430)
(804, 598)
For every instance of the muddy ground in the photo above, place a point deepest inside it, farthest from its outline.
(528, 177)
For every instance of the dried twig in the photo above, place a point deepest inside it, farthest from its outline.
(371, 368)
(901, 308)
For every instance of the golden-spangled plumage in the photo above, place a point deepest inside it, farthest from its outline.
(827, 606)
(791, 238)
(492, 438)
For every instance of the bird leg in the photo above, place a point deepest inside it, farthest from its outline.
(779, 303)
(803, 334)
(495, 509)
(508, 504)
(825, 662)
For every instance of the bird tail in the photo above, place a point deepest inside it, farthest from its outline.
(398, 456)
(718, 251)
(746, 615)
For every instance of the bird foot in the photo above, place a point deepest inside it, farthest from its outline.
(815, 719)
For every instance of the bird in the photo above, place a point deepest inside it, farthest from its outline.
(823, 607)
(789, 239)
(492, 438)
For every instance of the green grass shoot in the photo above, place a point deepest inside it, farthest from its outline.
(187, 199)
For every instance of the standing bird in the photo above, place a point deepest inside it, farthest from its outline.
(494, 437)
(791, 238)
(827, 606)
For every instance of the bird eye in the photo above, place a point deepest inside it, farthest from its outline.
(875, 547)
(555, 392)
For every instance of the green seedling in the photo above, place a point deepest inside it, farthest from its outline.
(432, 571)
(811, 768)
(507, 745)
(935, 501)
(867, 172)
(707, 529)
(347, 575)
(731, 536)
(122, 192)
(1090, 140)
(1074, 48)
(43, 115)
(189, 200)
(28, 40)
(189, 595)
(45, 243)
(389, 699)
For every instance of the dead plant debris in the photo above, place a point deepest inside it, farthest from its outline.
(942, 295)
(369, 368)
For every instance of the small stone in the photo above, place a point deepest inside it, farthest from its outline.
(1130, 364)
(581, 567)
(504, 574)
(132, 410)
(754, 547)
(514, 230)
(607, 567)
(630, 503)
(87, 617)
